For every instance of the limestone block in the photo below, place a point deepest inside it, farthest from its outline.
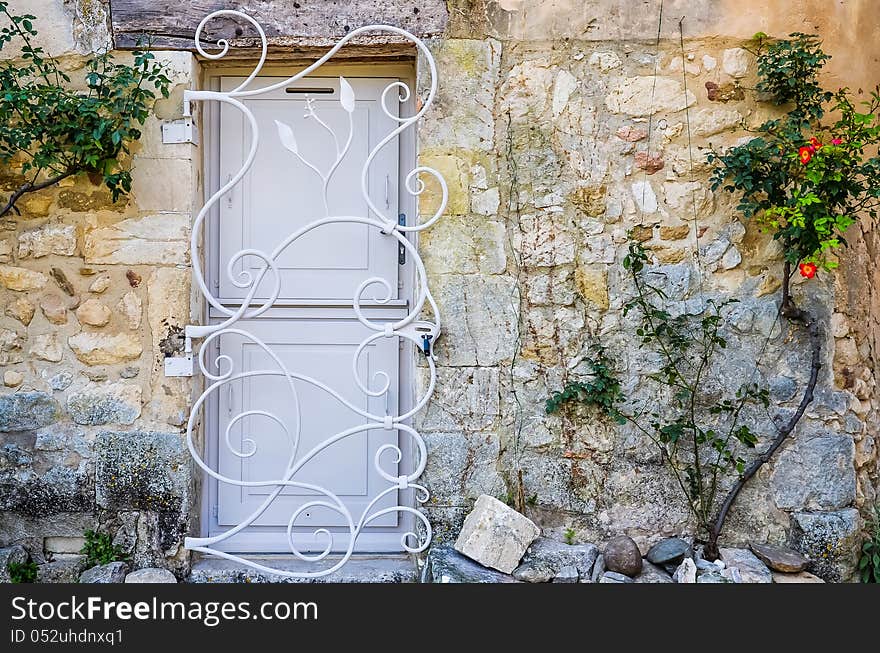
(118, 403)
(543, 241)
(830, 539)
(708, 122)
(455, 170)
(47, 347)
(462, 466)
(21, 279)
(546, 557)
(26, 411)
(645, 197)
(54, 307)
(12, 378)
(525, 94)
(162, 184)
(113, 572)
(461, 115)
(141, 470)
(465, 398)
(65, 568)
(479, 319)
(151, 575)
(5, 250)
(105, 349)
(751, 569)
(796, 484)
(799, 577)
(592, 285)
(49, 239)
(633, 96)
(161, 239)
(131, 308)
(735, 62)
(22, 309)
(605, 61)
(495, 535)
(93, 312)
(462, 245)
(100, 284)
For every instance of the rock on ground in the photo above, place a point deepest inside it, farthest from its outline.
(750, 568)
(65, 568)
(546, 557)
(598, 569)
(686, 572)
(800, 577)
(496, 535)
(446, 565)
(614, 577)
(780, 558)
(669, 551)
(567, 575)
(151, 575)
(112, 572)
(622, 555)
(651, 573)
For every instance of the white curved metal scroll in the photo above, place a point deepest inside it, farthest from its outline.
(221, 370)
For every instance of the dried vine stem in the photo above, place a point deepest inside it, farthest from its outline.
(795, 315)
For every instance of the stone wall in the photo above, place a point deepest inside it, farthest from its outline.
(541, 131)
(94, 293)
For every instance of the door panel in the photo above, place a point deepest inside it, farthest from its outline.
(314, 332)
(280, 193)
(323, 350)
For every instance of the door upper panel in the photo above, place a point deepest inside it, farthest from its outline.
(281, 194)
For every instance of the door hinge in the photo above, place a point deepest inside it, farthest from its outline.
(401, 250)
(213, 511)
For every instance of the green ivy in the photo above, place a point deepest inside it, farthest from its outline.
(869, 560)
(602, 392)
(805, 178)
(22, 572)
(100, 550)
(54, 130)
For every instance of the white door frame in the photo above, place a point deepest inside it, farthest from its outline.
(210, 133)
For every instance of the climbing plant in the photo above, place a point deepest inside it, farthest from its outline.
(805, 179)
(51, 130)
(697, 432)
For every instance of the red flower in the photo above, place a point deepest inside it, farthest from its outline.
(815, 144)
(805, 154)
(837, 141)
(808, 270)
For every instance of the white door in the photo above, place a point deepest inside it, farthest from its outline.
(312, 329)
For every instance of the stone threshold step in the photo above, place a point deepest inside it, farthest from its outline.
(359, 569)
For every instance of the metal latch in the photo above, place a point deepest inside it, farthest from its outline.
(401, 249)
(425, 333)
(179, 365)
(180, 131)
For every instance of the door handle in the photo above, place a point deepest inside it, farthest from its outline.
(229, 193)
(230, 398)
(387, 192)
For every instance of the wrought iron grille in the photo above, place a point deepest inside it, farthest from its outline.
(222, 370)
